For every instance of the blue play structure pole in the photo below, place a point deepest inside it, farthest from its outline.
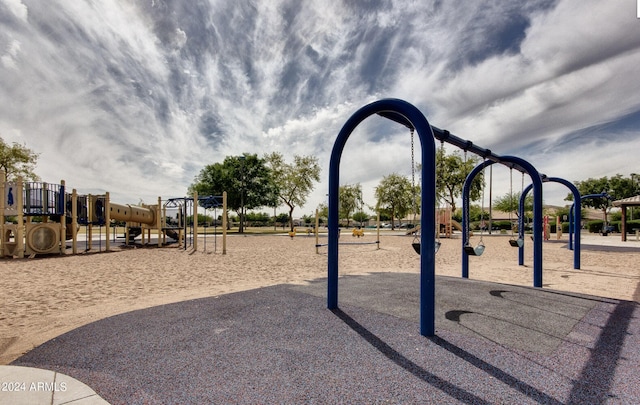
(466, 189)
(571, 225)
(521, 164)
(60, 208)
(408, 115)
(578, 203)
(521, 215)
(536, 180)
(575, 218)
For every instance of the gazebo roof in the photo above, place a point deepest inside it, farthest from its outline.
(627, 201)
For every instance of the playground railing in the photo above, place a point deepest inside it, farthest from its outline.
(43, 199)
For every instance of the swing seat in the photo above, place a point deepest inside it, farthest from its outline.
(416, 246)
(474, 251)
(516, 242)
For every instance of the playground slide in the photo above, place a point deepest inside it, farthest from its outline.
(413, 230)
(456, 225)
(172, 234)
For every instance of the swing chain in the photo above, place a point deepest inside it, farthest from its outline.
(439, 173)
(482, 224)
(511, 207)
(467, 210)
(413, 165)
(413, 187)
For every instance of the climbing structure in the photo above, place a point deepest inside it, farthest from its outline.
(38, 218)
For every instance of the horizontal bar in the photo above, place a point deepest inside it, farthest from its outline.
(445, 136)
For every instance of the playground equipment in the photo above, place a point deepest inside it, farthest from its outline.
(359, 233)
(408, 115)
(519, 242)
(574, 218)
(416, 119)
(522, 166)
(36, 211)
(38, 218)
(477, 250)
(444, 223)
(188, 206)
(417, 229)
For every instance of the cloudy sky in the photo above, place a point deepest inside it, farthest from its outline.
(135, 97)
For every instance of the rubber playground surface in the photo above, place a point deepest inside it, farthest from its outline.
(494, 343)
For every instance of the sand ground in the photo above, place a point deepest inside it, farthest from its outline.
(42, 298)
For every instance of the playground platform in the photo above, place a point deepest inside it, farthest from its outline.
(494, 343)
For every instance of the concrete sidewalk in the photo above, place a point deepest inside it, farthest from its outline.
(34, 386)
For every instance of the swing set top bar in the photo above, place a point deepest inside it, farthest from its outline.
(210, 201)
(446, 136)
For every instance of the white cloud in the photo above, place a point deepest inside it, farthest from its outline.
(137, 98)
(9, 58)
(17, 8)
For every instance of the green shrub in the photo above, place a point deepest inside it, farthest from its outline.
(502, 225)
(633, 225)
(596, 226)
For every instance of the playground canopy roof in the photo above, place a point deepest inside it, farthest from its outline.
(631, 201)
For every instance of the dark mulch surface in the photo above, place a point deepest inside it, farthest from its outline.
(494, 344)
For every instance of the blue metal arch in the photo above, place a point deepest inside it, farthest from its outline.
(537, 212)
(521, 206)
(576, 213)
(406, 114)
(574, 219)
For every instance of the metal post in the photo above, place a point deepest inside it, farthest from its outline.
(241, 228)
(195, 221)
(408, 115)
(224, 222)
(491, 199)
(63, 217)
(316, 232)
(107, 219)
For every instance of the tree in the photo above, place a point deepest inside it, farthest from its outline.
(477, 213)
(308, 219)
(361, 217)
(350, 198)
(17, 161)
(396, 195)
(260, 218)
(246, 179)
(294, 181)
(451, 172)
(510, 202)
(323, 210)
(282, 218)
(618, 187)
(564, 213)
